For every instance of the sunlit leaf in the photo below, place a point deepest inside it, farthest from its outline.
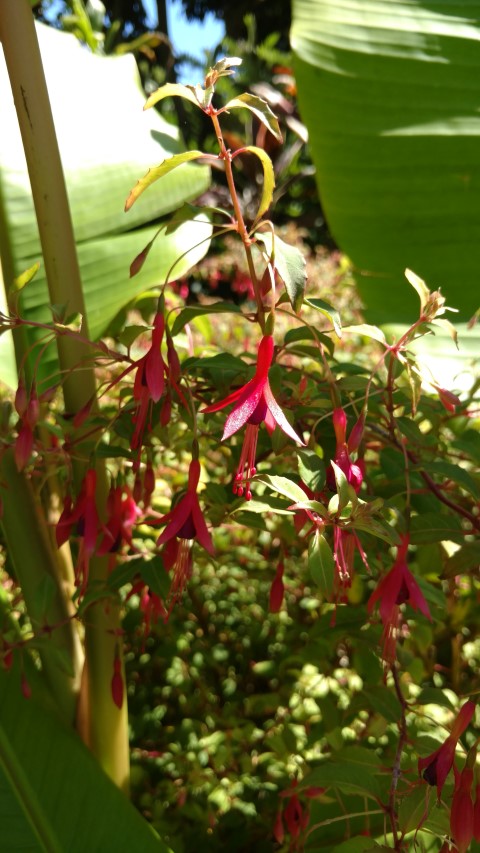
(159, 171)
(171, 89)
(329, 312)
(268, 178)
(191, 311)
(321, 564)
(259, 108)
(290, 265)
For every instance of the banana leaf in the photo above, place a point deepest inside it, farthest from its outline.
(106, 142)
(390, 93)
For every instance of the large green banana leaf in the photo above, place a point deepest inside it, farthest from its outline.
(53, 795)
(106, 142)
(390, 93)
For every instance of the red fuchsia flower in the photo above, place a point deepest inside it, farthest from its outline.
(185, 524)
(28, 410)
(397, 587)
(123, 513)
(461, 813)
(81, 517)
(476, 813)
(448, 399)
(253, 404)
(353, 471)
(150, 604)
(149, 383)
(436, 767)
(345, 543)
(277, 590)
(293, 817)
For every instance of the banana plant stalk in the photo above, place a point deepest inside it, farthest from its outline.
(104, 725)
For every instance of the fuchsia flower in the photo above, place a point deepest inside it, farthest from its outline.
(397, 587)
(28, 410)
(352, 470)
(185, 523)
(462, 811)
(277, 589)
(123, 513)
(436, 767)
(253, 404)
(149, 383)
(83, 518)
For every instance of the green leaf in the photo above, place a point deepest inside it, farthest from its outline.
(383, 702)
(434, 696)
(171, 89)
(24, 278)
(419, 285)
(191, 311)
(321, 564)
(283, 485)
(344, 491)
(393, 133)
(432, 527)
(117, 143)
(42, 813)
(290, 265)
(329, 312)
(159, 171)
(348, 778)
(154, 574)
(464, 561)
(452, 472)
(259, 108)
(311, 469)
(365, 330)
(268, 178)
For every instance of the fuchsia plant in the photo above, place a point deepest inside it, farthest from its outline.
(330, 518)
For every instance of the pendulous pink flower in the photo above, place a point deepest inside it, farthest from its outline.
(397, 587)
(185, 524)
(253, 404)
(435, 768)
(461, 813)
(352, 470)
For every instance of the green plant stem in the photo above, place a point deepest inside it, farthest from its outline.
(241, 227)
(107, 726)
(35, 567)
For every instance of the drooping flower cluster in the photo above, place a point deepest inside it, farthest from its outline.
(184, 524)
(254, 404)
(397, 587)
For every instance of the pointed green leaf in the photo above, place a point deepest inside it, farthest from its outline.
(433, 527)
(367, 331)
(414, 808)
(21, 280)
(259, 108)
(290, 265)
(311, 469)
(349, 779)
(171, 89)
(159, 171)
(321, 564)
(329, 312)
(283, 486)
(268, 178)
(191, 311)
(419, 285)
(42, 813)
